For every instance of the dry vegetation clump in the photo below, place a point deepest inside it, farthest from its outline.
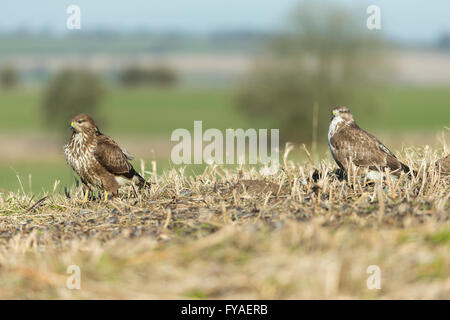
(236, 234)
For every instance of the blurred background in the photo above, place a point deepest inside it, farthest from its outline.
(145, 68)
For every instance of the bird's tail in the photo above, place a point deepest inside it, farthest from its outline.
(404, 168)
(407, 170)
(142, 183)
(139, 181)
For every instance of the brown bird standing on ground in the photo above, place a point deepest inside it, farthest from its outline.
(349, 143)
(444, 165)
(97, 158)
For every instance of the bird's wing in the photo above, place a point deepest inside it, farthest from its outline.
(111, 156)
(127, 154)
(365, 150)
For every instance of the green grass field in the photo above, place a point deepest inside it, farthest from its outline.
(412, 109)
(155, 113)
(131, 111)
(158, 111)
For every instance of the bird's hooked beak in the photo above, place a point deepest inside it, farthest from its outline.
(333, 114)
(72, 125)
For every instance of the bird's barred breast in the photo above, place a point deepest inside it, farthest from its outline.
(80, 156)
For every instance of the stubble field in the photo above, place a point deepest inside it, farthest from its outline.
(235, 234)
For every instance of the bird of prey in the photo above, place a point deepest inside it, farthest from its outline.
(444, 165)
(97, 158)
(350, 144)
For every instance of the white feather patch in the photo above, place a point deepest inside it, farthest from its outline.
(334, 125)
(122, 181)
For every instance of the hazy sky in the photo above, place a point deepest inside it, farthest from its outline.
(407, 20)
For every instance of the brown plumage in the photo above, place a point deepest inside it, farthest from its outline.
(348, 142)
(97, 158)
(444, 165)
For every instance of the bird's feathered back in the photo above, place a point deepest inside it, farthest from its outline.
(351, 144)
(110, 155)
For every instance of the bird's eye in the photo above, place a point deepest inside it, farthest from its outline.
(80, 121)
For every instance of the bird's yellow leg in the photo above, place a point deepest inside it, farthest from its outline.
(86, 195)
(106, 196)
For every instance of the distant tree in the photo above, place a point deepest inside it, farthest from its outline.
(9, 77)
(158, 76)
(324, 58)
(71, 92)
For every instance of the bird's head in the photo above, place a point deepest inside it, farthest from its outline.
(83, 123)
(342, 113)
